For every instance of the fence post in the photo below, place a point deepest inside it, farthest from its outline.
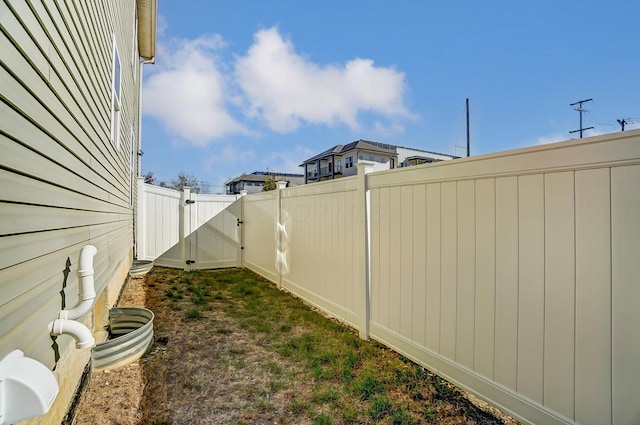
(185, 227)
(141, 222)
(241, 224)
(363, 228)
(280, 254)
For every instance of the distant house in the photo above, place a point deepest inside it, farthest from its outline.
(254, 182)
(340, 160)
(70, 143)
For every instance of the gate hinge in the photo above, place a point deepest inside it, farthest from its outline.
(239, 221)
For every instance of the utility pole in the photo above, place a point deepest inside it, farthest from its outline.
(579, 109)
(622, 123)
(468, 138)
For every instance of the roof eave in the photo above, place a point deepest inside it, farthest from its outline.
(147, 28)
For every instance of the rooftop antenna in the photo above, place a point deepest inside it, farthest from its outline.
(623, 122)
(468, 138)
(581, 110)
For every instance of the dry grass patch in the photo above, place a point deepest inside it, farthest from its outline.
(232, 349)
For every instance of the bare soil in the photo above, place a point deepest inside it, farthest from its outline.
(214, 369)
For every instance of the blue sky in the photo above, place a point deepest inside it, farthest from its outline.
(240, 86)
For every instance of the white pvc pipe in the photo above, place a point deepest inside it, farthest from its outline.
(87, 288)
(79, 332)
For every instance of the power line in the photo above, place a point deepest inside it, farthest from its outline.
(581, 110)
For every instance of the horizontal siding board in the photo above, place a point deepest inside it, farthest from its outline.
(25, 276)
(20, 248)
(22, 189)
(83, 76)
(13, 29)
(33, 336)
(95, 43)
(42, 131)
(62, 75)
(31, 163)
(17, 218)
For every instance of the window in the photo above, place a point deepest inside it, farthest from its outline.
(360, 157)
(348, 162)
(116, 89)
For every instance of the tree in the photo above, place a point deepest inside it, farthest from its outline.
(183, 180)
(269, 183)
(148, 178)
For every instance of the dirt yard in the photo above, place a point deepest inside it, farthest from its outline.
(229, 350)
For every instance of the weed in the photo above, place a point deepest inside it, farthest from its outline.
(368, 386)
(275, 386)
(193, 313)
(198, 299)
(297, 406)
(322, 419)
(274, 368)
(173, 295)
(286, 327)
(380, 408)
(326, 396)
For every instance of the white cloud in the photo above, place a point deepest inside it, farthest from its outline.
(545, 140)
(230, 157)
(188, 92)
(633, 126)
(288, 161)
(286, 89)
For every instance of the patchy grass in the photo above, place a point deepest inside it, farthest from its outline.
(235, 350)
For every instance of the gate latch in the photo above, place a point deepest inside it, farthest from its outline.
(190, 201)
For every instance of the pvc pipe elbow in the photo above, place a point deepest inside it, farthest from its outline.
(78, 311)
(79, 332)
(86, 259)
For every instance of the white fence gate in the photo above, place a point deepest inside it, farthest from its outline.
(188, 230)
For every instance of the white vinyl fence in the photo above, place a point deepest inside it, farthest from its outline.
(515, 275)
(187, 230)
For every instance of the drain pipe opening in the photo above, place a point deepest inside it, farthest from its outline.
(87, 288)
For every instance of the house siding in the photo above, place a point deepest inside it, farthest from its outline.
(63, 184)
